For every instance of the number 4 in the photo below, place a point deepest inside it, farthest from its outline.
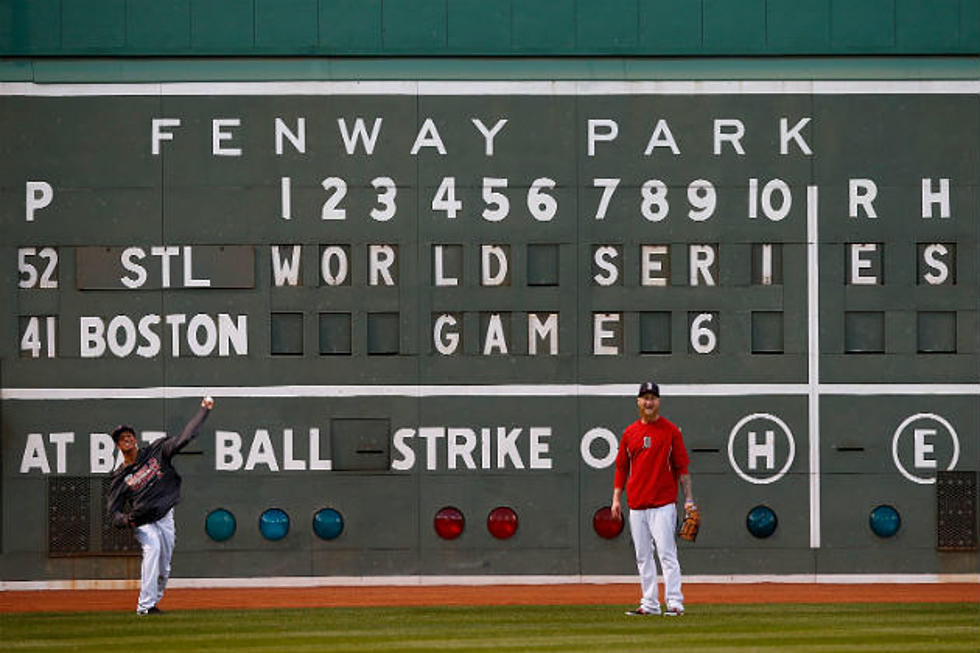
(445, 198)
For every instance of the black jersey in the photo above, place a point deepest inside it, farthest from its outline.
(144, 491)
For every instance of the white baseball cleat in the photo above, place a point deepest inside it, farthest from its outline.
(643, 612)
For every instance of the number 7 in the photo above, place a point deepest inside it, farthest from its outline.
(608, 187)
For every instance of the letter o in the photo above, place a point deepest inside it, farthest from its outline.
(329, 278)
(198, 322)
(124, 324)
(599, 433)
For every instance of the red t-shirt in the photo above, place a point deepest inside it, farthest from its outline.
(651, 458)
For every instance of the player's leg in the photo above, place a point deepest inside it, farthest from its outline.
(640, 528)
(168, 537)
(664, 524)
(149, 538)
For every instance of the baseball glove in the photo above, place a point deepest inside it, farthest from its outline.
(691, 524)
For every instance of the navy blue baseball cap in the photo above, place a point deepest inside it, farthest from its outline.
(649, 387)
(119, 430)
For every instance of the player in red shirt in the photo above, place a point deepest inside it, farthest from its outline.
(651, 461)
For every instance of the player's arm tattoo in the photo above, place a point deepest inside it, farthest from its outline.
(685, 481)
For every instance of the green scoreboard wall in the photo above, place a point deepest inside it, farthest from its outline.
(407, 296)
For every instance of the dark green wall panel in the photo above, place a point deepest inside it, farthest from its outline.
(159, 26)
(970, 26)
(350, 25)
(498, 27)
(414, 25)
(613, 28)
(543, 26)
(287, 26)
(30, 27)
(927, 25)
(798, 25)
(478, 26)
(860, 25)
(222, 25)
(670, 26)
(89, 26)
(734, 26)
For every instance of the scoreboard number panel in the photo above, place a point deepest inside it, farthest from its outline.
(489, 268)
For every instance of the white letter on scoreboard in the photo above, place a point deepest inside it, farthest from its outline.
(539, 449)
(297, 138)
(922, 448)
(35, 455)
(227, 451)
(602, 260)
(938, 270)
(765, 450)
(218, 135)
(101, 447)
(610, 130)
(38, 195)
(407, 461)
(157, 134)
(862, 193)
(61, 442)
(489, 134)
(446, 343)
(858, 264)
(601, 333)
(734, 137)
(931, 197)
(317, 463)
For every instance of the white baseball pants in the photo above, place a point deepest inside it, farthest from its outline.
(653, 532)
(157, 540)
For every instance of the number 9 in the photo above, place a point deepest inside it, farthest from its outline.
(703, 199)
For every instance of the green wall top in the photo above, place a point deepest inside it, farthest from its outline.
(487, 27)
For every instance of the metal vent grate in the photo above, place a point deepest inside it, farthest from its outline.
(68, 515)
(114, 540)
(956, 511)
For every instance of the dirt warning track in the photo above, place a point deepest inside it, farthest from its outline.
(457, 595)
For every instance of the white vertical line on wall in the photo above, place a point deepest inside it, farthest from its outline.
(813, 367)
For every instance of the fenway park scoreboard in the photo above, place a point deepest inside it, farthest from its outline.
(424, 310)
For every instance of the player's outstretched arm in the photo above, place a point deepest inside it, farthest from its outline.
(175, 444)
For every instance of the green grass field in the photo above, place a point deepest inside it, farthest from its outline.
(888, 628)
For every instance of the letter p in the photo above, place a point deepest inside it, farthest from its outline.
(38, 195)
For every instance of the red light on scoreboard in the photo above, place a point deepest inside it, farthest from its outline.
(502, 522)
(605, 525)
(449, 523)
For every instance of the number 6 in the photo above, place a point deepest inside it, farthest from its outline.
(703, 339)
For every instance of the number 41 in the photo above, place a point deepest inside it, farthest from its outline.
(37, 337)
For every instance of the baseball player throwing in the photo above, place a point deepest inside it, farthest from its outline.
(143, 494)
(650, 463)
